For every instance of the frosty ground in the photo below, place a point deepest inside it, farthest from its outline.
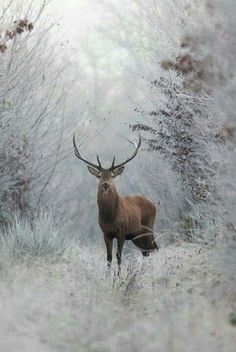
(181, 299)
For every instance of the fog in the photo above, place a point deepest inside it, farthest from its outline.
(108, 72)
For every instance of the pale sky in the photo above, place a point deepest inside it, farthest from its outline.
(88, 24)
(78, 17)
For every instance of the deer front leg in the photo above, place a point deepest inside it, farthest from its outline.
(120, 244)
(108, 242)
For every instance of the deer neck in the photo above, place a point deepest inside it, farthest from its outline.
(107, 204)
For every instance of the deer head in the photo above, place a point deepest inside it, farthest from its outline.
(106, 176)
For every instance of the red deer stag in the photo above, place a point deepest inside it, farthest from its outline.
(123, 218)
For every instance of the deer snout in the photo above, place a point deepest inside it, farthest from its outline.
(106, 185)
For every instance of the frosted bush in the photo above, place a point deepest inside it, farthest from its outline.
(43, 237)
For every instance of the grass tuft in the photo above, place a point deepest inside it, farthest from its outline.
(43, 237)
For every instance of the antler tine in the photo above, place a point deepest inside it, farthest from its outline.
(79, 156)
(99, 163)
(130, 158)
(113, 162)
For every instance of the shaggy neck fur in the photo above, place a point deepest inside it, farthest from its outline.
(107, 204)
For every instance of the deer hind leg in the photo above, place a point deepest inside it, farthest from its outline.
(150, 240)
(144, 240)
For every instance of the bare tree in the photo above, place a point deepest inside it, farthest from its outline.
(31, 105)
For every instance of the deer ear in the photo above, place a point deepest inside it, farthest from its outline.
(94, 171)
(118, 171)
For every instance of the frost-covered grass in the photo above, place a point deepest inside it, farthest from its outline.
(43, 237)
(180, 299)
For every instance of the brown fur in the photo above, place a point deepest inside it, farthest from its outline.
(124, 218)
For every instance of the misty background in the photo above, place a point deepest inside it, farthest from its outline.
(108, 71)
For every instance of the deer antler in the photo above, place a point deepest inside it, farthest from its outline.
(113, 166)
(79, 156)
